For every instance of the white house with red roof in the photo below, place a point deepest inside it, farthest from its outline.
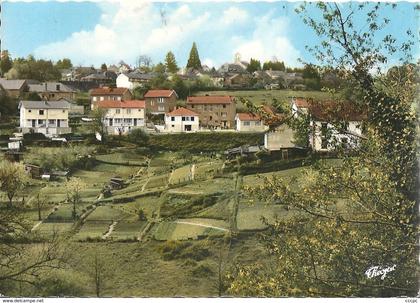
(182, 120)
(106, 93)
(123, 116)
(249, 122)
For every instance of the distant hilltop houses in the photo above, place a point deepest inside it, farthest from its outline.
(168, 99)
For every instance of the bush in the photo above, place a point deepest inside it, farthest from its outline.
(202, 270)
(60, 285)
(204, 142)
(172, 250)
(138, 137)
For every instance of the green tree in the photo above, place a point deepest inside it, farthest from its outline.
(73, 187)
(194, 59)
(253, 65)
(138, 137)
(64, 64)
(5, 62)
(98, 124)
(170, 63)
(278, 65)
(104, 68)
(360, 212)
(12, 179)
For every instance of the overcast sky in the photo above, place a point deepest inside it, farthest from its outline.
(96, 32)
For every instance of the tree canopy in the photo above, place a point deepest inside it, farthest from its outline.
(170, 63)
(194, 58)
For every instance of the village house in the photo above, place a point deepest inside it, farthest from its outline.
(52, 91)
(249, 122)
(123, 116)
(134, 79)
(181, 120)
(161, 101)
(332, 123)
(214, 111)
(14, 88)
(109, 94)
(50, 118)
(101, 77)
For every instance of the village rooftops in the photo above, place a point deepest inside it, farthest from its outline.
(50, 87)
(248, 117)
(182, 111)
(330, 110)
(210, 100)
(121, 104)
(45, 104)
(160, 93)
(12, 84)
(101, 91)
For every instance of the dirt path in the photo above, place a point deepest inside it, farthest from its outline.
(110, 230)
(202, 225)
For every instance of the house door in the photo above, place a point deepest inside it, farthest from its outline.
(33, 123)
(58, 122)
(110, 122)
(187, 128)
(135, 122)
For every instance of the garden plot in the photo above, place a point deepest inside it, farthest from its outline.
(124, 158)
(220, 210)
(49, 229)
(205, 169)
(193, 228)
(157, 181)
(93, 230)
(249, 218)
(126, 230)
(149, 205)
(107, 213)
(180, 175)
(64, 212)
(215, 185)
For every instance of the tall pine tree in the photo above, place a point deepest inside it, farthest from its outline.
(170, 63)
(194, 59)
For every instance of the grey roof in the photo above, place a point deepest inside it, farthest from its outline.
(50, 87)
(12, 84)
(44, 104)
(140, 76)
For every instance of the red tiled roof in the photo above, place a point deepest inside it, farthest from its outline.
(248, 117)
(210, 100)
(333, 110)
(155, 93)
(108, 91)
(121, 104)
(182, 111)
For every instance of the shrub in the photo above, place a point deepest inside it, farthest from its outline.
(138, 137)
(171, 250)
(61, 285)
(202, 270)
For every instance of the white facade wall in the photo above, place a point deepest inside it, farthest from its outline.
(319, 142)
(124, 81)
(46, 121)
(181, 124)
(249, 126)
(123, 120)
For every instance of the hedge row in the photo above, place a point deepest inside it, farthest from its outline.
(205, 142)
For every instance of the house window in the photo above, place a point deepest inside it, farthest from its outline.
(173, 125)
(117, 111)
(257, 123)
(41, 112)
(117, 120)
(93, 98)
(64, 110)
(161, 108)
(192, 118)
(139, 110)
(224, 105)
(127, 121)
(29, 111)
(40, 121)
(51, 122)
(128, 111)
(119, 98)
(161, 100)
(224, 114)
(172, 118)
(247, 123)
(152, 102)
(183, 118)
(102, 98)
(192, 106)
